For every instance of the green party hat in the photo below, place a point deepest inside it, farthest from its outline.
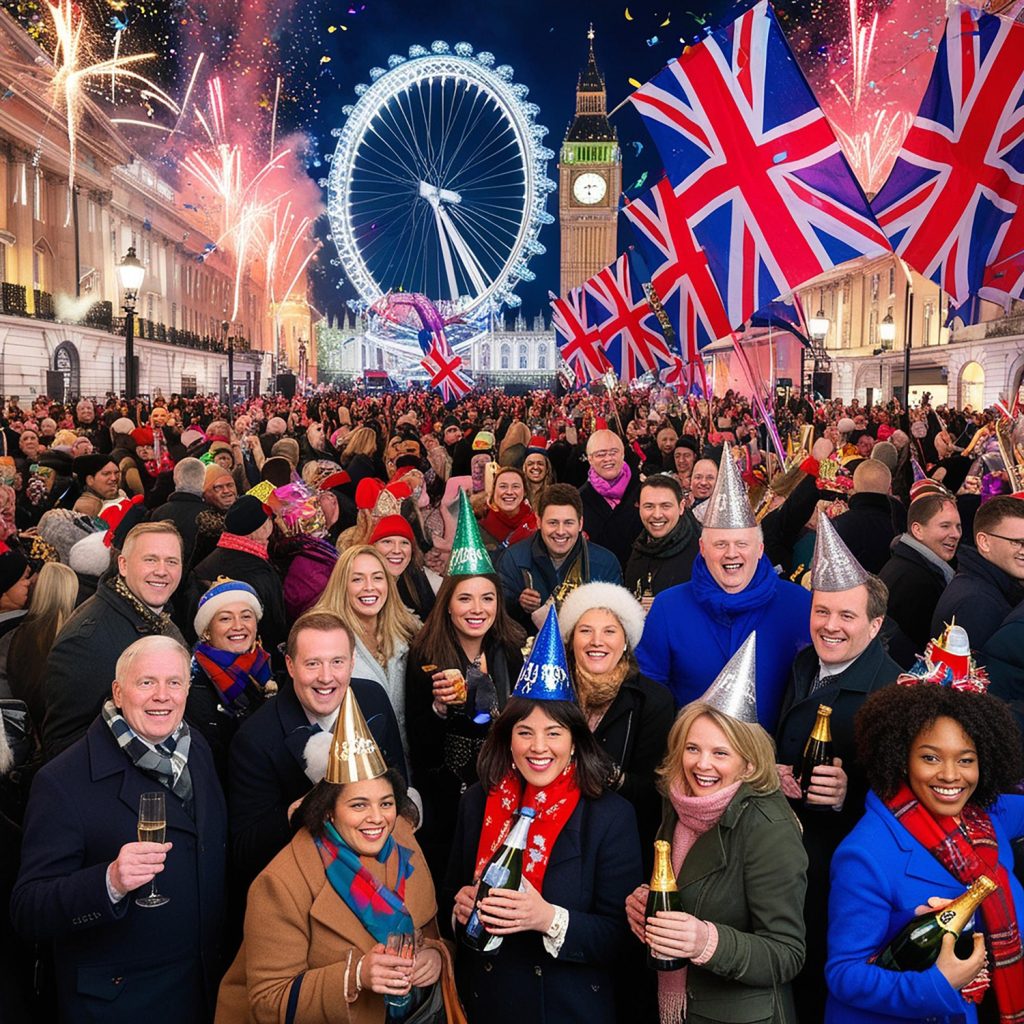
(469, 556)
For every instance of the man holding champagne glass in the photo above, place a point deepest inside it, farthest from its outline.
(135, 921)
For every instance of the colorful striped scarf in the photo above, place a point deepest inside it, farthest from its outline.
(232, 673)
(968, 851)
(380, 909)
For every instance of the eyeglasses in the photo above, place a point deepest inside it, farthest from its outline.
(1017, 542)
(608, 453)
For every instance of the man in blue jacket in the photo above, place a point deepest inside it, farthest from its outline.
(693, 629)
(532, 570)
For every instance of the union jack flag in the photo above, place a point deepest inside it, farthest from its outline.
(769, 195)
(578, 342)
(625, 322)
(679, 269)
(443, 366)
(959, 177)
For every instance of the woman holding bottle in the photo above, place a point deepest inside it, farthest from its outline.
(739, 861)
(940, 762)
(563, 933)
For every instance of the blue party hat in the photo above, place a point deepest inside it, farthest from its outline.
(545, 676)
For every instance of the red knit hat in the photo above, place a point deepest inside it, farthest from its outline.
(392, 526)
(143, 436)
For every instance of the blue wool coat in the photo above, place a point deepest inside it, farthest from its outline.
(880, 874)
(120, 962)
(692, 630)
(595, 864)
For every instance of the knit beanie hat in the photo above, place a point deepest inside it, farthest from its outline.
(246, 516)
(213, 473)
(122, 425)
(221, 594)
(12, 566)
(90, 465)
(64, 529)
(392, 526)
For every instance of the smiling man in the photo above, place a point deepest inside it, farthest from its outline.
(125, 607)
(267, 769)
(693, 629)
(610, 494)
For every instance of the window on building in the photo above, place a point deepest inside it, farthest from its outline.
(542, 357)
(20, 185)
(37, 196)
(875, 282)
(506, 356)
(524, 357)
(873, 329)
(892, 281)
(91, 215)
(485, 356)
(927, 316)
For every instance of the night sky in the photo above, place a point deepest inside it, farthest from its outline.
(322, 49)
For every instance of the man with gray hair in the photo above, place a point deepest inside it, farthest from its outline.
(185, 503)
(85, 882)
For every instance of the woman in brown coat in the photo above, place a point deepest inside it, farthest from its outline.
(319, 915)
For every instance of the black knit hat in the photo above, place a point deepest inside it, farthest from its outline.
(450, 421)
(686, 441)
(246, 516)
(90, 465)
(12, 566)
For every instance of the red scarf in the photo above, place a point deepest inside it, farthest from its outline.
(967, 852)
(554, 805)
(508, 529)
(233, 542)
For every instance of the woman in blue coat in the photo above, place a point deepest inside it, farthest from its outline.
(563, 934)
(938, 760)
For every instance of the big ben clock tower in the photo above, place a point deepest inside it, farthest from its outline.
(589, 182)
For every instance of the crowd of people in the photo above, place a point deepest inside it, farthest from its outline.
(278, 687)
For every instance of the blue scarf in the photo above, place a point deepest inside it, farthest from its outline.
(724, 607)
(380, 909)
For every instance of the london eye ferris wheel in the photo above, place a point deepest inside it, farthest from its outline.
(438, 184)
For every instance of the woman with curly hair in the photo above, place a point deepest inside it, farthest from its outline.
(939, 761)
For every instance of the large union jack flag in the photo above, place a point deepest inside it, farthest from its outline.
(679, 270)
(769, 195)
(625, 322)
(444, 369)
(959, 177)
(578, 342)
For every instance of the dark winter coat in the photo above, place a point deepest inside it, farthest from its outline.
(613, 528)
(868, 529)
(80, 669)
(649, 569)
(182, 508)
(915, 586)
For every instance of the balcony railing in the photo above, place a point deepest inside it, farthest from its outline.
(13, 302)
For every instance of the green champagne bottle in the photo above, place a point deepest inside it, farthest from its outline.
(505, 871)
(664, 895)
(916, 946)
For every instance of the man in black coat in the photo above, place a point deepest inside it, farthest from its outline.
(241, 554)
(267, 775)
(663, 554)
(610, 496)
(868, 528)
(919, 567)
(989, 582)
(124, 608)
(185, 503)
(82, 867)
(845, 664)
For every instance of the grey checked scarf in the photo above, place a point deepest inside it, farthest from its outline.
(165, 762)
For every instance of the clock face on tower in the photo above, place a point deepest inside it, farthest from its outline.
(589, 188)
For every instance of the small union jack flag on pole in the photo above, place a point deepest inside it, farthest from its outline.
(768, 194)
(625, 322)
(578, 342)
(959, 178)
(443, 367)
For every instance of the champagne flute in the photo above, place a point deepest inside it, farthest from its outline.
(152, 829)
(403, 944)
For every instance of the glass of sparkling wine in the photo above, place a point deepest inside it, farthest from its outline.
(152, 829)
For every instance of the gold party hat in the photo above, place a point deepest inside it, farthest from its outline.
(354, 756)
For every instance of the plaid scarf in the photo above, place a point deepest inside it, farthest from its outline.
(233, 673)
(554, 805)
(380, 909)
(157, 622)
(966, 852)
(166, 762)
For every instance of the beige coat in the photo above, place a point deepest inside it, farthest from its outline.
(295, 922)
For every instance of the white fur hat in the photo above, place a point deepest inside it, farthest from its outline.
(618, 600)
(90, 556)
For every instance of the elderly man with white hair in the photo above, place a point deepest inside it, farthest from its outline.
(86, 870)
(610, 495)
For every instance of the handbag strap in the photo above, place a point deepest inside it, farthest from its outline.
(293, 999)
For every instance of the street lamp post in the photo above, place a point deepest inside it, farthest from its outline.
(818, 325)
(887, 332)
(131, 272)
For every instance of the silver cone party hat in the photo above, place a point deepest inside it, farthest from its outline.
(833, 567)
(729, 507)
(734, 692)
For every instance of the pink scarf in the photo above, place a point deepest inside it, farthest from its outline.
(612, 491)
(696, 815)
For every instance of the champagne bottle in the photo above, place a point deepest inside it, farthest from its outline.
(504, 871)
(664, 895)
(818, 749)
(916, 946)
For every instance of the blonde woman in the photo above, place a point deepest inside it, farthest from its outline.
(359, 456)
(364, 595)
(738, 856)
(23, 651)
